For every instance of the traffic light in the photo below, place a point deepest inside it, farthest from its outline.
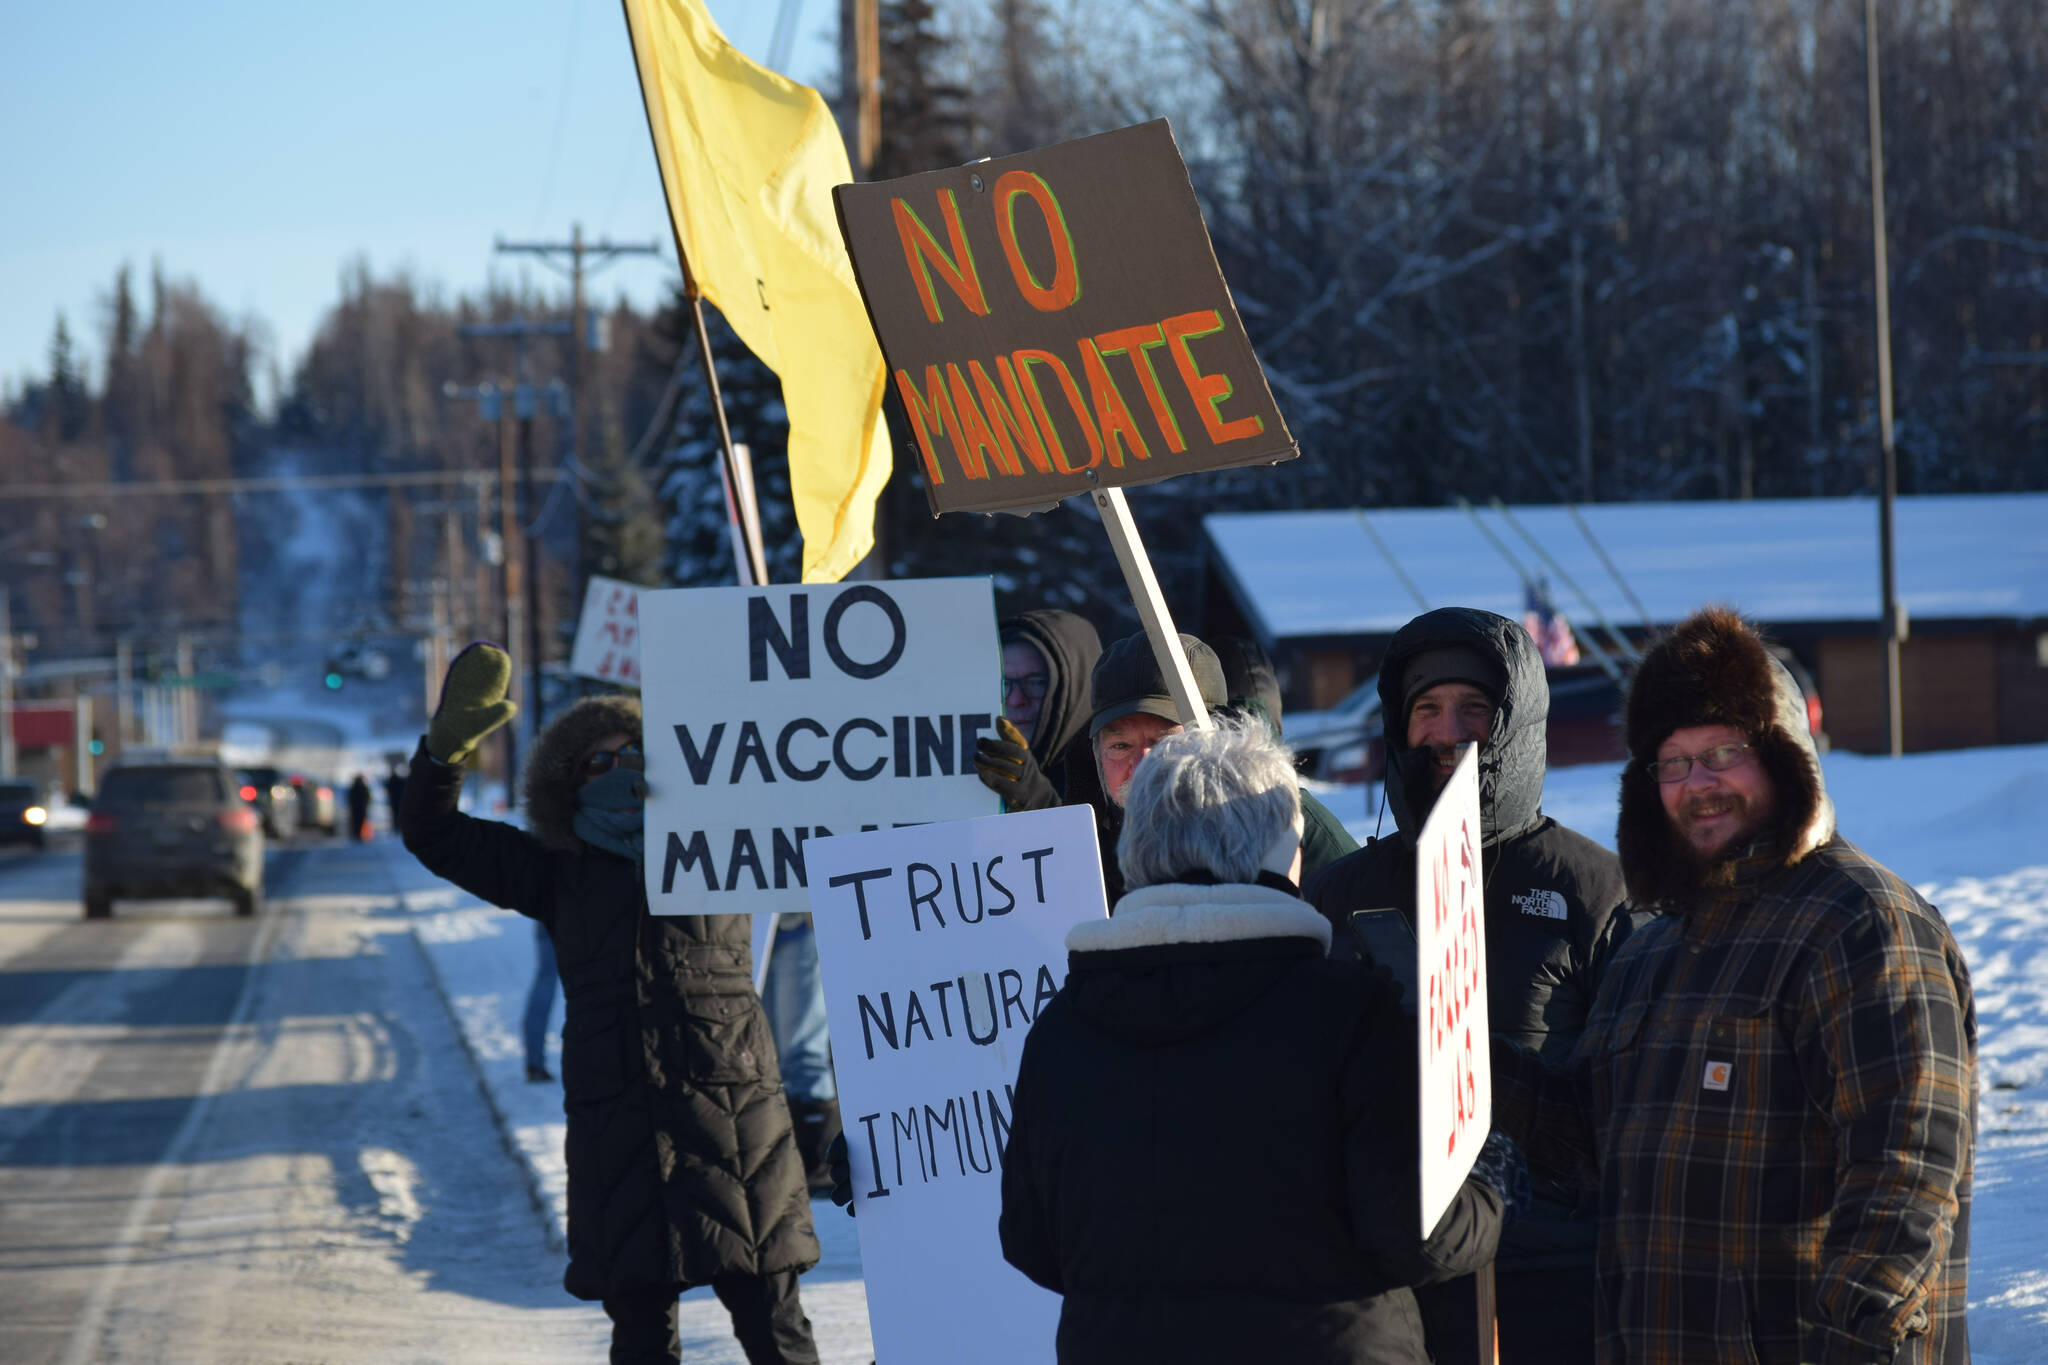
(333, 678)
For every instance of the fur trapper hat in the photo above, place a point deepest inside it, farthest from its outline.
(554, 773)
(1713, 669)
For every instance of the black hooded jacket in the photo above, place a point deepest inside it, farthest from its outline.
(1554, 898)
(1214, 1156)
(681, 1159)
(1070, 646)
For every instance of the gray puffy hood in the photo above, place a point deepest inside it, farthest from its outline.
(1513, 761)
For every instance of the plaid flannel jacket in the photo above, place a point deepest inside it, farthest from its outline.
(1776, 1093)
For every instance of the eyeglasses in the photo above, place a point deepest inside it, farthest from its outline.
(1678, 767)
(1032, 685)
(604, 760)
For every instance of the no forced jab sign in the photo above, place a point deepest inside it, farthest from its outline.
(1055, 322)
(939, 946)
(1450, 945)
(778, 715)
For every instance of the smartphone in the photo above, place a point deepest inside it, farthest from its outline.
(1385, 938)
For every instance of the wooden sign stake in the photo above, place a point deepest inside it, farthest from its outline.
(1144, 589)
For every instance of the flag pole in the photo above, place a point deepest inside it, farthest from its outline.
(754, 561)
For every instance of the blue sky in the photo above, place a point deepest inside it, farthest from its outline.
(255, 148)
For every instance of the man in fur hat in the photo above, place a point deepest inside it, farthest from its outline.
(1777, 1087)
(682, 1167)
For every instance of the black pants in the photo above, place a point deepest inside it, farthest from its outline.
(1545, 1317)
(767, 1317)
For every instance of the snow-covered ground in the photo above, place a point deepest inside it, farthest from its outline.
(1969, 829)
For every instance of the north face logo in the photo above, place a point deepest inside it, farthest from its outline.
(1548, 904)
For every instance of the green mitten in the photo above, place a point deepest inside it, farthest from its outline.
(473, 702)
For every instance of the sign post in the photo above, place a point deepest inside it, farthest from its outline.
(1055, 324)
(939, 945)
(778, 715)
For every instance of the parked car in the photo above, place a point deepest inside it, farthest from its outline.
(24, 815)
(276, 804)
(171, 829)
(317, 806)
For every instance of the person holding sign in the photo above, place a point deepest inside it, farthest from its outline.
(682, 1167)
(1554, 916)
(1047, 659)
(1214, 1155)
(1778, 1083)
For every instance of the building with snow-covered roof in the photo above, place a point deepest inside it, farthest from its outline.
(1323, 591)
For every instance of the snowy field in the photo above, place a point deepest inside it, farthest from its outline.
(1969, 829)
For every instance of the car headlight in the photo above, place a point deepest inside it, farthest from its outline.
(35, 815)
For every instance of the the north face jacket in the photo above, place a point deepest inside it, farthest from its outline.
(1554, 898)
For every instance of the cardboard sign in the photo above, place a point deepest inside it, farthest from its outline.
(1055, 322)
(1450, 944)
(939, 946)
(778, 715)
(608, 633)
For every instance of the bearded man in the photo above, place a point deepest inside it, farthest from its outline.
(1777, 1086)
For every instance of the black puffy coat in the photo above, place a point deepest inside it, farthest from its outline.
(1555, 908)
(682, 1163)
(1215, 1153)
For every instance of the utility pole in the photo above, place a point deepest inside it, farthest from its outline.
(491, 406)
(1888, 488)
(860, 81)
(583, 337)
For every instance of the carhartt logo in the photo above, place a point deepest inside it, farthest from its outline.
(1716, 1077)
(1548, 904)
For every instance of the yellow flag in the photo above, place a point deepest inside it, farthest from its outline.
(749, 159)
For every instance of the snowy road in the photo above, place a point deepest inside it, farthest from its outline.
(226, 1140)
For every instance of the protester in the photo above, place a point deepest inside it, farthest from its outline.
(1554, 915)
(1047, 659)
(358, 809)
(1778, 1084)
(1214, 1155)
(682, 1168)
(1130, 711)
(1253, 690)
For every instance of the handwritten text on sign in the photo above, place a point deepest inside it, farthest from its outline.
(779, 715)
(939, 945)
(1055, 321)
(1450, 932)
(608, 633)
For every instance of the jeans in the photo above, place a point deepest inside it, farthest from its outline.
(767, 1318)
(540, 999)
(794, 996)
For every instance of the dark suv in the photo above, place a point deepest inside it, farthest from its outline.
(171, 829)
(22, 813)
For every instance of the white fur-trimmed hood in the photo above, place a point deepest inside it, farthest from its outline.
(1155, 916)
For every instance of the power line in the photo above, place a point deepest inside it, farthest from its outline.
(285, 483)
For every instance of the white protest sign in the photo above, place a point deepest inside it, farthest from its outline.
(1450, 947)
(608, 633)
(778, 715)
(939, 946)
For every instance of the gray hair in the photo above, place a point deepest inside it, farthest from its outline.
(1211, 801)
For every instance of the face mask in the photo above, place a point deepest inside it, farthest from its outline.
(611, 813)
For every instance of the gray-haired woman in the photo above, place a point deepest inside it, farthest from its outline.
(1214, 1155)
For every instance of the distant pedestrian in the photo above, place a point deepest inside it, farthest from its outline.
(682, 1168)
(1215, 1156)
(394, 786)
(359, 809)
(1777, 1085)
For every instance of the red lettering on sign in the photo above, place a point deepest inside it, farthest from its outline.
(1139, 342)
(1054, 446)
(1208, 390)
(935, 413)
(921, 252)
(1065, 288)
(1119, 429)
(975, 440)
(1009, 417)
